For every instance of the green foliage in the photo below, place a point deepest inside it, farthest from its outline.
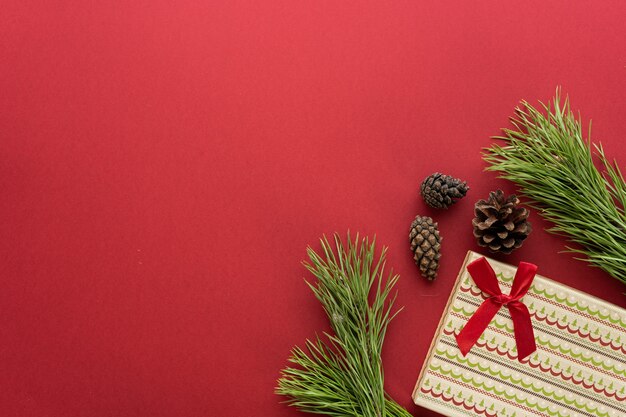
(548, 158)
(341, 374)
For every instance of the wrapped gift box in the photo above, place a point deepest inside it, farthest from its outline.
(578, 369)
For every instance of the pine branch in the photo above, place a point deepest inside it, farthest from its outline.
(341, 375)
(548, 158)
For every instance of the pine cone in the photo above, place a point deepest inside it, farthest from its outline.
(425, 245)
(500, 224)
(441, 191)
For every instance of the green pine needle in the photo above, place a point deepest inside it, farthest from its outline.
(548, 158)
(341, 375)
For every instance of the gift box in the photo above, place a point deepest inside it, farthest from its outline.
(577, 370)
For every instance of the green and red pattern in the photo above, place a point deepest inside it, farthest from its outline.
(578, 370)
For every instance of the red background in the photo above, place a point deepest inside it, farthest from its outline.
(163, 166)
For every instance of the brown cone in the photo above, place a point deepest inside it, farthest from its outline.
(500, 224)
(441, 191)
(425, 245)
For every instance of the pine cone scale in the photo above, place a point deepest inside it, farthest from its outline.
(508, 243)
(487, 238)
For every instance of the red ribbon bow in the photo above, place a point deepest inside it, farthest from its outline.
(485, 278)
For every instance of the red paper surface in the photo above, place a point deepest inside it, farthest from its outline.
(163, 166)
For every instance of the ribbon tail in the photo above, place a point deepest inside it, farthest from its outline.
(476, 325)
(523, 329)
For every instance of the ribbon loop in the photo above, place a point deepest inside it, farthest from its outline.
(485, 278)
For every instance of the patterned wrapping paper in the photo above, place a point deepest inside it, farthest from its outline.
(578, 370)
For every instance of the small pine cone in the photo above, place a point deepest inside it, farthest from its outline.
(425, 245)
(500, 224)
(441, 191)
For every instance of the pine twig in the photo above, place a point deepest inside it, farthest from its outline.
(548, 158)
(341, 374)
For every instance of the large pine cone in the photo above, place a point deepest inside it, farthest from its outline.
(500, 224)
(441, 191)
(425, 245)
